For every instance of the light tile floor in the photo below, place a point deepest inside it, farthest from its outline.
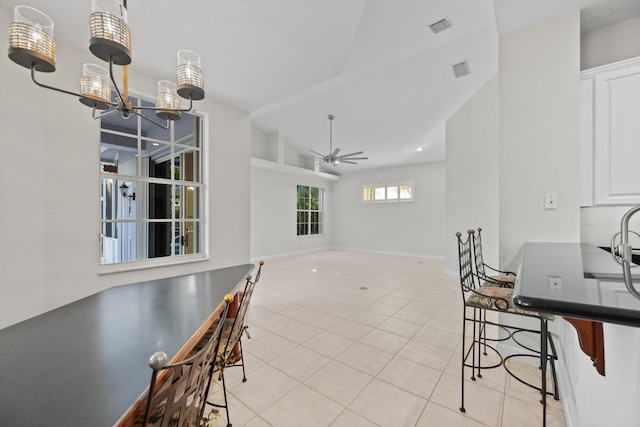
(352, 339)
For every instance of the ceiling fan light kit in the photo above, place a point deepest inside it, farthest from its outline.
(333, 157)
(31, 45)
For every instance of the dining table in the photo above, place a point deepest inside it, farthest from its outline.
(87, 363)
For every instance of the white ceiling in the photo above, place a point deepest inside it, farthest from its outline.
(374, 64)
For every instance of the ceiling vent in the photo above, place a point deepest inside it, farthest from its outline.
(441, 25)
(461, 69)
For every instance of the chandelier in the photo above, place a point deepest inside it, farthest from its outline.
(31, 45)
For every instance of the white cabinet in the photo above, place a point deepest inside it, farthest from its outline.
(610, 134)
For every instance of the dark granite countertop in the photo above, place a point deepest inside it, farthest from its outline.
(576, 280)
(86, 363)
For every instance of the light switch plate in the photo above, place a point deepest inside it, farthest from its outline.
(550, 201)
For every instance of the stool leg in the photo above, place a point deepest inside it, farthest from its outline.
(464, 327)
(543, 357)
(482, 339)
(552, 359)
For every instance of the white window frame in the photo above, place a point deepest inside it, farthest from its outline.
(201, 219)
(309, 211)
(376, 189)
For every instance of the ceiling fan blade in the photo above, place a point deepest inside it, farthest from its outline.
(315, 152)
(352, 154)
(335, 152)
(348, 161)
(353, 158)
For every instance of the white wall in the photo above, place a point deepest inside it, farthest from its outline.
(539, 154)
(273, 214)
(275, 148)
(539, 134)
(610, 44)
(415, 228)
(49, 171)
(539, 106)
(472, 174)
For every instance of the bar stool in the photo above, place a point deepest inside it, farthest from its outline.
(477, 300)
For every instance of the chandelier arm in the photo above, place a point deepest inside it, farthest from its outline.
(115, 85)
(153, 121)
(105, 114)
(33, 77)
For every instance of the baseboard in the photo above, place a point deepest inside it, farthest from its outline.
(288, 254)
(452, 273)
(374, 251)
(340, 248)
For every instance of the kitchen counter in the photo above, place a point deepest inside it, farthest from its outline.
(86, 363)
(577, 280)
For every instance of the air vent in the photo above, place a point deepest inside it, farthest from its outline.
(441, 25)
(461, 69)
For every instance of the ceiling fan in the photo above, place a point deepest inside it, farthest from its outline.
(333, 157)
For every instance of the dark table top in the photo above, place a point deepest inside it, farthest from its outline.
(86, 363)
(575, 280)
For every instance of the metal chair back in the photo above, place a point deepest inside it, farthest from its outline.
(178, 391)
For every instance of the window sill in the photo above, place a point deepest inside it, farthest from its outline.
(147, 264)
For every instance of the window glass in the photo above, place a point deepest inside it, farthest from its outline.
(154, 150)
(186, 131)
(160, 201)
(151, 187)
(392, 192)
(406, 192)
(118, 153)
(367, 193)
(186, 165)
(309, 211)
(388, 193)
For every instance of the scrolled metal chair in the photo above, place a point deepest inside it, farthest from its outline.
(178, 391)
(230, 353)
(477, 300)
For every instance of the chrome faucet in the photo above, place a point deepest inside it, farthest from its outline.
(622, 254)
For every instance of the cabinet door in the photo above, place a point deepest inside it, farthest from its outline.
(617, 136)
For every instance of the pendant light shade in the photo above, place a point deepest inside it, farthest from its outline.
(94, 86)
(167, 99)
(31, 39)
(110, 35)
(189, 75)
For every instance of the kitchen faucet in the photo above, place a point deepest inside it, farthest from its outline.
(622, 254)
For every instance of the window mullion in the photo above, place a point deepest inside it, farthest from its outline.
(141, 231)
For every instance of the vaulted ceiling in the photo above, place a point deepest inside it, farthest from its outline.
(376, 65)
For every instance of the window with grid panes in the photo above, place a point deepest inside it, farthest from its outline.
(152, 188)
(402, 192)
(309, 211)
